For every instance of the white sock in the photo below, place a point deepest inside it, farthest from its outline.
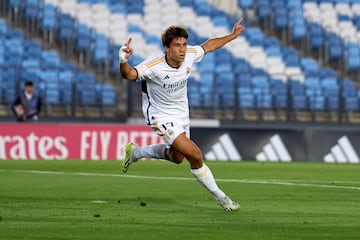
(205, 177)
(151, 151)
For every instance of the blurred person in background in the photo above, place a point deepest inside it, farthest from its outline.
(27, 105)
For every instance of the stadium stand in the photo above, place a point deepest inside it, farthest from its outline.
(55, 80)
(298, 60)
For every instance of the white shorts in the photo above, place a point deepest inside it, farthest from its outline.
(169, 130)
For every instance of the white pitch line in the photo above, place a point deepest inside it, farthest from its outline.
(251, 181)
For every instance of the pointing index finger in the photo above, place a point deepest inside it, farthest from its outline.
(128, 42)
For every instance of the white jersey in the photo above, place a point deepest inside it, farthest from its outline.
(165, 87)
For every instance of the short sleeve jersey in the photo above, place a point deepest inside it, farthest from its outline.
(165, 87)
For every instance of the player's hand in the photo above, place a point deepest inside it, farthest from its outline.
(238, 28)
(125, 52)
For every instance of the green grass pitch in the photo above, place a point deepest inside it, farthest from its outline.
(94, 200)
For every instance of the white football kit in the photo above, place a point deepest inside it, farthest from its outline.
(165, 101)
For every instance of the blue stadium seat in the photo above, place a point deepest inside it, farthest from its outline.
(100, 55)
(280, 102)
(240, 67)
(8, 89)
(207, 97)
(333, 46)
(222, 57)
(220, 20)
(225, 98)
(15, 3)
(223, 68)
(195, 99)
(14, 34)
(280, 19)
(264, 101)
(66, 27)
(299, 102)
(353, 63)
(50, 59)
(118, 8)
(207, 79)
(255, 36)
(261, 81)
(48, 18)
(31, 9)
(3, 29)
(316, 38)
(52, 96)
(351, 104)
(317, 103)
(244, 80)
(298, 31)
(83, 37)
(247, 101)
(278, 87)
(49, 76)
(88, 97)
(108, 97)
(263, 9)
(333, 103)
(309, 66)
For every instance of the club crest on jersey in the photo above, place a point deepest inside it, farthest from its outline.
(187, 70)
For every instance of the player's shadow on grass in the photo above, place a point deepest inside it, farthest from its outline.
(170, 203)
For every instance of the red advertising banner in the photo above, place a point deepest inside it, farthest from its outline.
(71, 141)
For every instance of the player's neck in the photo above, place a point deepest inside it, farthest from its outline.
(172, 63)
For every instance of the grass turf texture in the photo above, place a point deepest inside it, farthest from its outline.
(106, 206)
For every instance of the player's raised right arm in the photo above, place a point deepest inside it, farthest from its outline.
(126, 70)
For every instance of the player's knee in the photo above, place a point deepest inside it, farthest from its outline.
(178, 160)
(196, 160)
(196, 156)
(175, 157)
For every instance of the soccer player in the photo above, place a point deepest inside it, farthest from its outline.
(165, 103)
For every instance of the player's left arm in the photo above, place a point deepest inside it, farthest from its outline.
(215, 43)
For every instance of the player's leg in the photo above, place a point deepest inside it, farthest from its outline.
(158, 151)
(187, 148)
(133, 153)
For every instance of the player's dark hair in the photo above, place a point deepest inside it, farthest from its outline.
(171, 33)
(29, 83)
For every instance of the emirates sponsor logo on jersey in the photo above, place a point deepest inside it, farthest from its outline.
(173, 87)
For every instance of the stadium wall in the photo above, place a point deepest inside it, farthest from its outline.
(106, 142)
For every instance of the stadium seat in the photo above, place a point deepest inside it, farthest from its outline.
(351, 104)
(83, 37)
(247, 101)
(66, 27)
(299, 102)
(280, 102)
(48, 18)
(333, 103)
(52, 96)
(264, 101)
(108, 98)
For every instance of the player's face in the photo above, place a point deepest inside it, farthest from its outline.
(29, 89)
(175, 53)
